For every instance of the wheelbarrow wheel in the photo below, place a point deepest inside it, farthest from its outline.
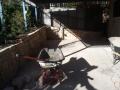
(44, 78)
(40, 81)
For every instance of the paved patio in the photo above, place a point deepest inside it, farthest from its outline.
(88, 66)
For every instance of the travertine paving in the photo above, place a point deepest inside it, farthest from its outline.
(89, 68)
(86, 67)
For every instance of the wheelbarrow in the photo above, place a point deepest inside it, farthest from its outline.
(50, 60)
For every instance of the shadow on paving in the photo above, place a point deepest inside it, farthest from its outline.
(101, 41)
(26, 77)
(77, 73)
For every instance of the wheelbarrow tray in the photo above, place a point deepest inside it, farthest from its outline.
(53, 55)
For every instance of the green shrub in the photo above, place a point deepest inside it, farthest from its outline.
(13, 16)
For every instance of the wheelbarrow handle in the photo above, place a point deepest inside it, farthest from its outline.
(30, 58)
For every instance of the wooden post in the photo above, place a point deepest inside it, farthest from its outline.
(51, 17)
(24, 14)
(1, 15)
(36, 14)
(63, 32)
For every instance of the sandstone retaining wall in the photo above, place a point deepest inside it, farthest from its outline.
(30, 45)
